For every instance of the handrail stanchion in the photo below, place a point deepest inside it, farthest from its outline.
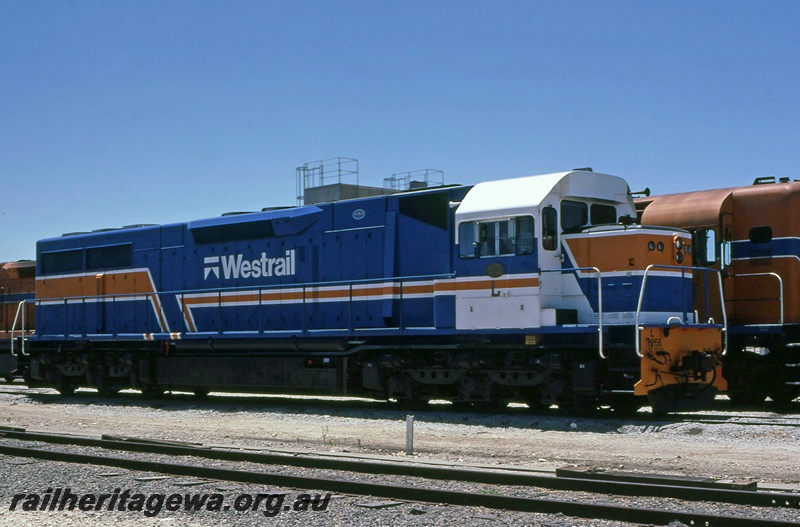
(724, 315)
(402, 320)
(219, 311)
(600, 312)
(305, 311)
(260, 310)
(780, 289)
(350, 309)
(20, 307)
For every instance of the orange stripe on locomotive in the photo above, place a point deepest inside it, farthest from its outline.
(102, 286)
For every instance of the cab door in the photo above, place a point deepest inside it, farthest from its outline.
(551, 261)
(725, 265)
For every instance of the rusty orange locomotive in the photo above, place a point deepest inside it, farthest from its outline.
(751, 234)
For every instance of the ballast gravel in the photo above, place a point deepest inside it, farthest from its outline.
(760, 446)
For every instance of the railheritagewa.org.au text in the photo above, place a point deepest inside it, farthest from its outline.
(65, 499)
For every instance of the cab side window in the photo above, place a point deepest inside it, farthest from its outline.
(574, 215)
(549, 229)
(497, 238)
(761, 234)
(525, 235)
(466, 240)
(705, 247)
(603, 214)
(514, 236)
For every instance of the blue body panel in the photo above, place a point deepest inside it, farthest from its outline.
(329, 269)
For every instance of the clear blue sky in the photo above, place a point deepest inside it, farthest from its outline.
(123, 112)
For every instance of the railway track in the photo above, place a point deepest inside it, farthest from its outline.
(609, 484)
(761, 417)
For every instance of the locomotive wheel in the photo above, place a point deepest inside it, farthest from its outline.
(534, 401)
(412, 404)
(627, 406)
(462, 406)
(108, 391)
(626, 409)
(63, 384)
(152, 391)
(751, 398)
(65, 387)
(106, 386)
(579, 407)
(782, 397)
(749, 379)
(489, 406)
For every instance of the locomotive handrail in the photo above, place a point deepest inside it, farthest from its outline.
(259, 287)
(780, 288)
(220, 292)
(20, 307)
(599, 300)
(683, 271)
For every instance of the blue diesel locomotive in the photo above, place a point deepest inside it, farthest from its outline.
(537, 289)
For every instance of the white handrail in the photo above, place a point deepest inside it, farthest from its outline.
(641, 300)
(20, 307)
(780, 286)
(599, 299)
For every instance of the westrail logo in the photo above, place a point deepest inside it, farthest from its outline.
(235, 266)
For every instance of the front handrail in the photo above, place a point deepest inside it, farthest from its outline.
(780, 288)
(20, 308)
(683, 271)
(599, 299)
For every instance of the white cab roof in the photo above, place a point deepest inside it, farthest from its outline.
(524, 195)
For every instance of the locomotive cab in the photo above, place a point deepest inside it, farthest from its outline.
(557, 257)
(513, 242)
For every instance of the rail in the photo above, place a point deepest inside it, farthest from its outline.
(683, 275)
(780, 289)
(599, 300)
(779, 503)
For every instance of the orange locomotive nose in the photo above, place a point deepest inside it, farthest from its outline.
(681, 356)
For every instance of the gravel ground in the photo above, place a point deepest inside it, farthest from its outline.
(37, 477)
(22, 476)
(768, 452)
